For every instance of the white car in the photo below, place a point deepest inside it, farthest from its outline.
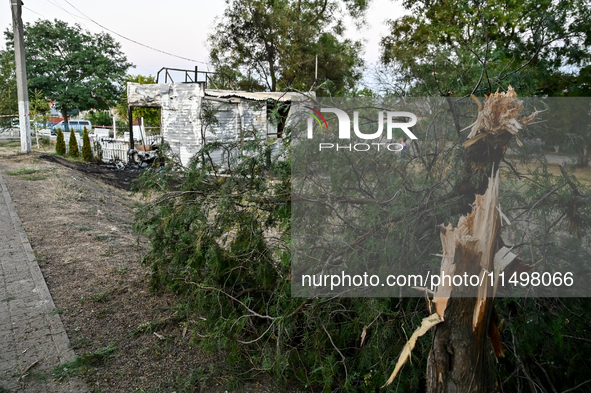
(77, 125)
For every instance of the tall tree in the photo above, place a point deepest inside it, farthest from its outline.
(462, 47)
(273, 44)
(75, 68)
(8, 99)
(458, 48)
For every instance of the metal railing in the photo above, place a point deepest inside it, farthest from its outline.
(193, 76)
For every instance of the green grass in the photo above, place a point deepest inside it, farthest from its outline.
(101, 313)
(30, 173)
(84, 362)
(121, 271)
(67, 157)
(34, 177)
(97, 298)
(101, 297)
(80, 342)
(58, 311)
(109, 252)
(10, 143)
(39, 377)
(7, 300)
(22, 171)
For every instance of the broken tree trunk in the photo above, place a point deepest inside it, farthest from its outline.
(487, 143)
(461, 360)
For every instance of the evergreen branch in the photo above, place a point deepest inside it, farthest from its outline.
(254, 313)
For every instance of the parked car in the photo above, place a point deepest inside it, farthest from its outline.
(77, 125)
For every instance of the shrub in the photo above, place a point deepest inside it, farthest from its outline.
(86, 149)
(210, 245)
(60, 144)
(73, 151)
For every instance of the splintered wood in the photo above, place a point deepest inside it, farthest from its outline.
(426, 325)
(498, 116)
(469, 248)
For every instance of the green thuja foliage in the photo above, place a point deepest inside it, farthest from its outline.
(86, 149)
(60, 144)
(73, 146)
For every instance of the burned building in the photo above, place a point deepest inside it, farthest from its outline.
(185, 108)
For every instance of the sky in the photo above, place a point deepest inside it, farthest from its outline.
(178, 27)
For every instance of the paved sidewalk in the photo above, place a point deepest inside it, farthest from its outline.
(29, 334)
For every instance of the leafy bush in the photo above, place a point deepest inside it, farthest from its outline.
(60, 144)
(73, 146)
(86, 149)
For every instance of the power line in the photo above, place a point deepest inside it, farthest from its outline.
(35, 12)
(79, 18)
(129, 39)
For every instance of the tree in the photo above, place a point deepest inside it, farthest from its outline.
(73, 145)
(225, 244)
(459, 48)
(60, 143)
(8, 97)
(273, 45)
(99, 118)
(86, 149)
(455, 48)
(75, 68)
(38, 106)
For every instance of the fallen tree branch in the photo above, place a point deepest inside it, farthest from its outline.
(24, 374)
(337, 349)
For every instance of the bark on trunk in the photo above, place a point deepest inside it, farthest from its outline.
(461, 357)
(66, 125)
(461, 360)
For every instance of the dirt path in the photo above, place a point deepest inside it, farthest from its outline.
(81, 232)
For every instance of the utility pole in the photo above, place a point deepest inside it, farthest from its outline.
(21, 76)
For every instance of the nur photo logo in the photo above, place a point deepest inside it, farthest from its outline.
(393, 120)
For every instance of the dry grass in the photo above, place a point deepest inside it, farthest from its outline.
(81, 231)
(582, 174)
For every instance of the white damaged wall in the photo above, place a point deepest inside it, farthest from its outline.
(181, 125)
(237, 113)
